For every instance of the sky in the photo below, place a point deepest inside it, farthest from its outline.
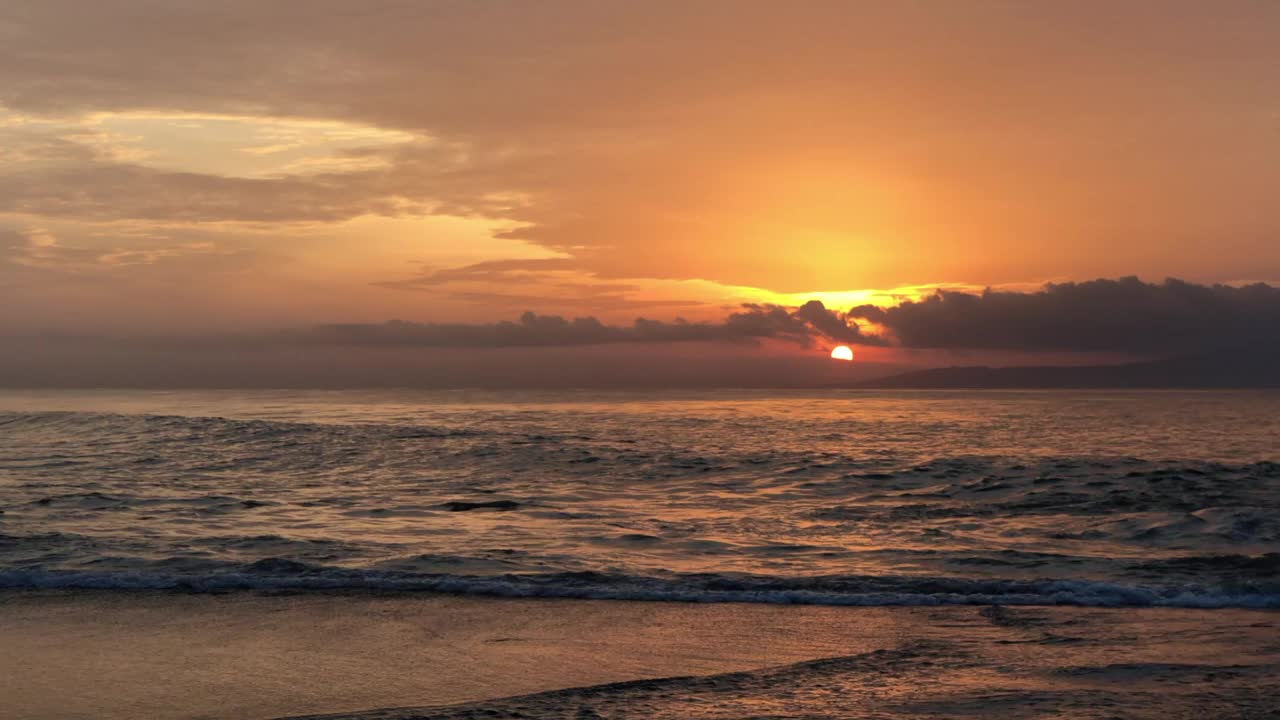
(948, 180)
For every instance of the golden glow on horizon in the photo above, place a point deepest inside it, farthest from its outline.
(372, 259)
(842, 352)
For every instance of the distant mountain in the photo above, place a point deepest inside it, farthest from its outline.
(1232, 368)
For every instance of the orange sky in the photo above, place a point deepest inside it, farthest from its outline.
(233, 165)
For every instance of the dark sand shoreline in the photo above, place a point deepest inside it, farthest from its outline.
(112, 655)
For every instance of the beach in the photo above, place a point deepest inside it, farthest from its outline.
(164, 656)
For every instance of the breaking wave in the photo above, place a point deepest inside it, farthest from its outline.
(280, 574)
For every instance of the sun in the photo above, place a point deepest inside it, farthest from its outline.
(842, 352)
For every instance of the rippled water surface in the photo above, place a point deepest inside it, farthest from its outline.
(1095, 498)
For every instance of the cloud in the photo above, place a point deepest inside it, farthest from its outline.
(105, 190)
(43, 251)
(832, 324)
(751, 323)
(1125, 315)
(547, 283)
(506, 271)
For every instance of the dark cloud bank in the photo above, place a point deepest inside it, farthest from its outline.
(1177, 334)
(1125, 315)
(1192, 335)
(806, 325)
(1117, 316)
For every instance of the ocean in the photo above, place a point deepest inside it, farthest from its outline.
(1108, 499)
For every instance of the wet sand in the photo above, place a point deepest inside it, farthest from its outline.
(116, 655)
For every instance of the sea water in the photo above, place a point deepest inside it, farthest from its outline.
(840, 497)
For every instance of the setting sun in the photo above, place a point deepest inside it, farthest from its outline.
(842, 352)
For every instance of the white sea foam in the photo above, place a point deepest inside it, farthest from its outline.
(852, 591)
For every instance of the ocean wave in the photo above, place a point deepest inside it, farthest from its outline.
(853, 590)
(654, 697)
(120, 423)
